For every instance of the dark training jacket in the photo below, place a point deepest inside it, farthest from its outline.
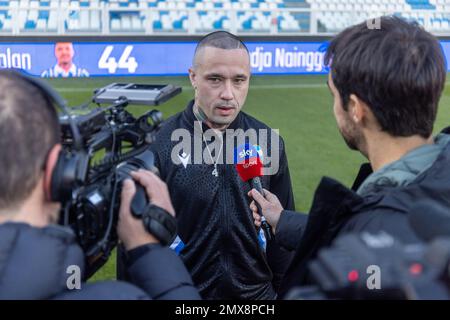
(337, 210)
(34, 264)
(222, 248)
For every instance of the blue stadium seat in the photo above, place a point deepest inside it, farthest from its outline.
(43, 14)
(157, 25)
(420, 4)
(30, 25)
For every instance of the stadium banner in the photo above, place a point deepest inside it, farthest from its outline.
(446, 49)
(84, 59)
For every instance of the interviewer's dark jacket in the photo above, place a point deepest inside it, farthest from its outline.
(337, 210)
(34, 262)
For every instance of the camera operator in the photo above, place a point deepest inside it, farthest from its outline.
(37, 257)
(386, 85)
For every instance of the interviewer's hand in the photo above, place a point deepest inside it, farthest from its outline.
(131, 230)
(270, 206)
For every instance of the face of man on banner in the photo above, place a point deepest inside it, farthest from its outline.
(64, 54)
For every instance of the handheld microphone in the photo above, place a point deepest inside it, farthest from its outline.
(430, 221)
(249, 167)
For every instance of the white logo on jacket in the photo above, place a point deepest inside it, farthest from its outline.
(184, 158)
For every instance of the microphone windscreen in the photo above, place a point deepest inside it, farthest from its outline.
(248, 162)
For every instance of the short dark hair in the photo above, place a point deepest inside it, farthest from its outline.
(398, 70)
(221, 40)
(29, 128)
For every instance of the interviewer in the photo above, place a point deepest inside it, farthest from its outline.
(386, 84)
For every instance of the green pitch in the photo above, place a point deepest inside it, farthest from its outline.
(299, 106)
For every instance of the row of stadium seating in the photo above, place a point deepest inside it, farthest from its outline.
(132, 15)
(337, 14)
(256, 16)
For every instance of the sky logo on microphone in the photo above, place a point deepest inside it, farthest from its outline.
(245, 152)
(248, 162)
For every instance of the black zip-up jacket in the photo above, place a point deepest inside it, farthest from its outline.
(222, 249)
(337, 210)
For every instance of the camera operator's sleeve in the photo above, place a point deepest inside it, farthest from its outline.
(279, 258)
(290, 229)
(160, 273)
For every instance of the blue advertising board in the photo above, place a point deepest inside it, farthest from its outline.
(157, 58)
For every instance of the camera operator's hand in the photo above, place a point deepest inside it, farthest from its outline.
(270, 206)
(131, 230)
(156, 189)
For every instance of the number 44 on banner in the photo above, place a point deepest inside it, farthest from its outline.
(125, 61)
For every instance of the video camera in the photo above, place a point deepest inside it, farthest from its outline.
(114, 143)
(378, 266)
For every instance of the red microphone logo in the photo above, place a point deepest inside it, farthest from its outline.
(248, 162)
